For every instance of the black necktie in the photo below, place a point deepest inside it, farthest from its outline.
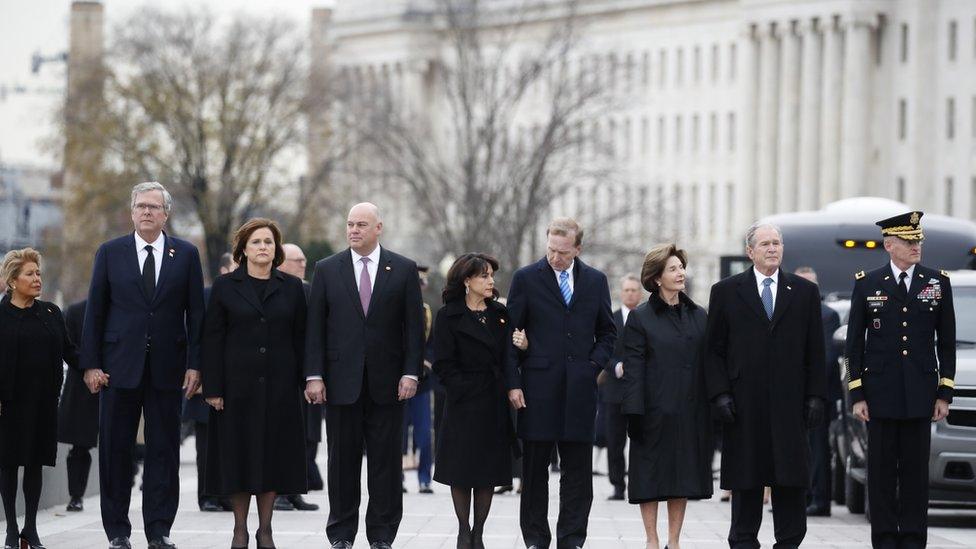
(902, 285)
(149, 272)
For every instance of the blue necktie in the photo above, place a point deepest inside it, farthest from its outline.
(564, 286)
(767, 297)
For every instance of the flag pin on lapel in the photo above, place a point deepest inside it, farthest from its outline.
(502, 320)
(388, 268)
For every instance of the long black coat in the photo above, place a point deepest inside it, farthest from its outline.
(612, 389)
(568, 346)
(252, 357)
(474, 446)
(78, 411)
(35, 346)
(770, 367)
(664, 383)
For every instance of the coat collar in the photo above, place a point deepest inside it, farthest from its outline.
(580, 277)
(659, 304)
(246, 289)
(468, 324)
(384, 269)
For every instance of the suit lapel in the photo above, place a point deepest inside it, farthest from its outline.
(549, 279)
(750, 294)
(784, 296)
(891, 287)
(131, 258)
(384, 271)
(578, 281)
(348, 276)
(273, 284)
(169, 253)
(469, 325)
(246, 289)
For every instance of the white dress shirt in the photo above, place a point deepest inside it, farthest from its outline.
(618, 369)
(157, 248)
(896, 271)
(572, 282)
(772, 287)
(357, 266)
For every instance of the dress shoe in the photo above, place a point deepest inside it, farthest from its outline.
(342, 544)
(162, 543)
(403, 488)
(299, 503)
(75, 505)
(210, 505)
(504, 489)
(120, 542)
(425, 488)
(24, 544)
(814, 511)
(282, 504)
(617, 495)
(380, 545)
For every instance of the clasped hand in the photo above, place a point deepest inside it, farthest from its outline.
(95, 379)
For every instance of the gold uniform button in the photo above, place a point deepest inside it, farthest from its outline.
(904, 338)
(904, 324)
(905, 352)
(904, 309)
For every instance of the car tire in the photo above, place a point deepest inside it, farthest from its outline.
(837, 476)
(853, 495)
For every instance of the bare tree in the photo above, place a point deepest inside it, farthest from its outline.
(213, 109)
(501, 131)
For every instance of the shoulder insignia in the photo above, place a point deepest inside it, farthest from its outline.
(944, 273)
(859, 275)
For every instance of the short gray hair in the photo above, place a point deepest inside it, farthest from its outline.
(152, 186)
(628, 277)
(754, 228)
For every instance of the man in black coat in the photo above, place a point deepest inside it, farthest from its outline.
(364, 351)
(901, 352)
(77, 417)
(818, 500)
(612, 390)
(561, 307)
(140, 346)
(764, 371)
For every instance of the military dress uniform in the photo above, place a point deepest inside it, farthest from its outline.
(900, 359)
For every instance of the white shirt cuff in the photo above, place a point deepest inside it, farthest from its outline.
(311, 378)
(415, 378)
(619, 370)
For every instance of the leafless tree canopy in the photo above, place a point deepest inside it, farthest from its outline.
(499, 134)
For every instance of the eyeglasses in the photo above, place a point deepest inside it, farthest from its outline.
(151, 207)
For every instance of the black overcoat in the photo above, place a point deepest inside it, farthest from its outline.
(612, 389)
(78, 411)
(664, 383)
(252, 357)
(475, 442)
(35, 347)
(770, 367)
(568, 346)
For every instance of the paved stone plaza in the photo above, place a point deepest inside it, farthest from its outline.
(428, 522)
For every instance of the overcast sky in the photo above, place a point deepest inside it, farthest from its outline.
(28, 26)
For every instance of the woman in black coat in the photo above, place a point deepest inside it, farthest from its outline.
(668, 417)
(253, 346)
(35, 346)
(472, 333)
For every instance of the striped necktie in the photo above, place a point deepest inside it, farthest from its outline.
(564, 286)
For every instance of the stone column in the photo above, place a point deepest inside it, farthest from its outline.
(810, 90)
(789, 118)
(830, 113)
(748, 86)
(768, 111)
(318, 82)
(855, 127)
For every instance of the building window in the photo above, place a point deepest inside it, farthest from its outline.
(697, 64)
(627, 139)
(677, 133)
(712, 209)
(646, 70)
(660, 135)
(678, 211)
(712, 132)
(694, 211)
(732, 63)
(645, 136)
(948, 195)
(953, 27)
(615, 150)
(729, 206)
(903, 49)
(731, 139)
(973, 116)
(695, 132)
(662, 69)
(902, 119)
(715, 63)
(629, 74)
(900, 189)
(679, 69)
(950, 118)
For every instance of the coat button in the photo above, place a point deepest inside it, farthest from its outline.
(904, 324)
(262, 350)
(905, 352)
(904, 309)
(904, 338)
(569, 334)
(570, 358)
(261, 379)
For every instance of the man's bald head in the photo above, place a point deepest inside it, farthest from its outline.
(363, 228)
(295, 261)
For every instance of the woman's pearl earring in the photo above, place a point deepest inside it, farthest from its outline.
(467, 290)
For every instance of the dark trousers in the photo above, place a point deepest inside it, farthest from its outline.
(350, 428)
(575, 493)
(418, 415)
(119, 414)
(616, 426)
(200, 438)
(898, 481)
(819, 466)
(314, 476)
(78, 464)
(789, 517)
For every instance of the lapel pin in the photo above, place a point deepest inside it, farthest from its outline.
(388, 268)
(502, 320)
(171, 252)
(878, 292)
(789, 287)
(887, 277)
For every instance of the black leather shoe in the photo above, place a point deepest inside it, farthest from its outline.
(504, 489)
(209, 505)
(299, 503)
(75, 505)
(814, 511)
(120, 542)
(282, 504)
(425, 488)
(379, 545)
(342, 544)
(162, 543)
(617, 495)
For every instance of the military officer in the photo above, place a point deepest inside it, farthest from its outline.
(900, 377)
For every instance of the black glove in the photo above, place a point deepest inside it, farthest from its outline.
(635, 428)
(813, 411)
(724, 408)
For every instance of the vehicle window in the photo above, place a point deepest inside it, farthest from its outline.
(964, 301)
